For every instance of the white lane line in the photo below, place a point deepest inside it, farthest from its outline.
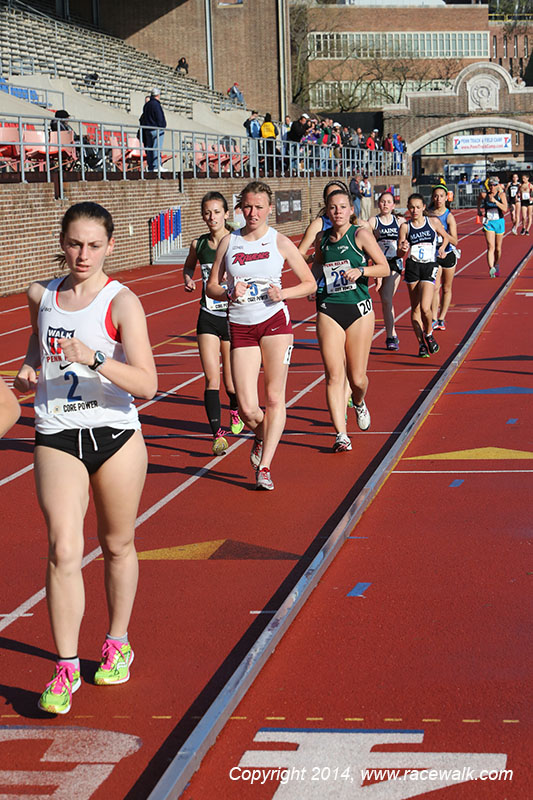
(15, 475)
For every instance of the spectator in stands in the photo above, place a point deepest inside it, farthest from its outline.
(235, 94)
(297, 132)
(285, 128)
(371, 142)
(90, 79)
(182, 67)
(253, 129)
(336, 146)
(366, 198)
(269, 132)
(355, 191)
(388, 144)
(154, 117)
(58, 123)
(360, 137)
(298, 128)
(252, 125)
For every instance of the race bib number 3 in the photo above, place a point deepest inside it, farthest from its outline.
(256, 291)
(335, 276)
(71, 387)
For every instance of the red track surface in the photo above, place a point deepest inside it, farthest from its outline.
(439, 633)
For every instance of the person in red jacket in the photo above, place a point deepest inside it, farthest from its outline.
(371, 143)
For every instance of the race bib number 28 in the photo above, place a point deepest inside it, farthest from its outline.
(335, 276)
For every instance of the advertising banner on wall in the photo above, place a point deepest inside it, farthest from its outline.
(494, 143)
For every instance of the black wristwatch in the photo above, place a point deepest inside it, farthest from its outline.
(99, 360)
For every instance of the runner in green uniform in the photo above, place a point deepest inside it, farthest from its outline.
(345, 317)
(212, 326)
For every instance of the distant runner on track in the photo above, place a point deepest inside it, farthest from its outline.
(492, 204)
(260, 327)
(419, 238)
(212, 326)
(386, 228)
(447, 265)
(345, 316)
(91, 343)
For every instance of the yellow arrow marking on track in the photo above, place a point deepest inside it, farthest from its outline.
(480, 453)
(188, 552)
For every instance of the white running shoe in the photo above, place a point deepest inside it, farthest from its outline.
(342, 443)
(263, 479)
(256, 453)
(363, 416)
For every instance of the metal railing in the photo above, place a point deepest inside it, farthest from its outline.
(30, 144)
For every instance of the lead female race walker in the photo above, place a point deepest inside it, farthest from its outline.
(260, 327)
(345, 317)
(90, 340)
(418, 237)
(212, 326)
(493, 202)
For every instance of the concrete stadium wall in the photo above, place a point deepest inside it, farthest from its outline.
(30, 218)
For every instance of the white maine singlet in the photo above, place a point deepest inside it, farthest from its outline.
(259, 264)
(71, 395)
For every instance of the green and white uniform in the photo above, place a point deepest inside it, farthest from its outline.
(336, 295)
(213, 313)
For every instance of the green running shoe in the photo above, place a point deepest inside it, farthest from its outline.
(57, 697)
(236, 422)
(115, 664)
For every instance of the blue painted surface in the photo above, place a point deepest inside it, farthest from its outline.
(358, 590)
(499, 390)
(512, 421)
(455, 483)
(306, 341)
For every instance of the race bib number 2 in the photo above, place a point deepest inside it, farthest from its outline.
(71, 387)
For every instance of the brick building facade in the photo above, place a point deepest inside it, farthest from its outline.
(30, 218)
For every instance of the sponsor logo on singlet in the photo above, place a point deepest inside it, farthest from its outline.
(53, 336)
(243, 258)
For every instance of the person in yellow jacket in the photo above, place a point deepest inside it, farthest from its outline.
(269, 132)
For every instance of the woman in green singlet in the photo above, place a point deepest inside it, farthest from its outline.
(345, 316)
(212, 327)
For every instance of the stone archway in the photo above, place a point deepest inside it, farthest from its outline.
(482, 95)
(472, 122)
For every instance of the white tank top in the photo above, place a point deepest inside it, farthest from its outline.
(258, 264)
(71, 395)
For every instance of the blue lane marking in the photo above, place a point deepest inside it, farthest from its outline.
(349, 537)
(458, 482)
(499, 390)
(512, 421)
(358, 590)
